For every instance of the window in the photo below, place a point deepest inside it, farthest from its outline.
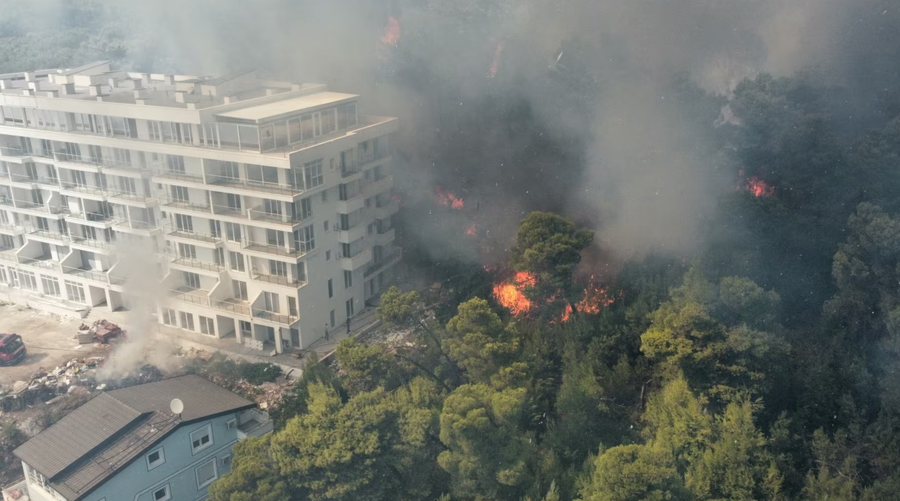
(187, 251)
(245, 327)
(187, 320)
(184, 223)
(330, 288)
(27, 280)
(7, 241)
(162, 494)
(180, 194)
(192, 280)
(294, 130)
(349, 306)
(201, 439)
(328, 255)
(75, 292)
(324, 196)
(348, 279)
(239, 289)
(325, 226)
(278, 268)
(231, 170)
(237, 261)
(168, 316)
(155, 458)
(207, 326)
(215, 228)
(79, 178)
(50, 286)
(206, 473)
(272, 302)
(292, 306)
(304, 239)
(332, 318)
(175, 163)
(303, 209)
(42, 223)
(220, 256)
(233, 232)
(312, 174)
(233, 201)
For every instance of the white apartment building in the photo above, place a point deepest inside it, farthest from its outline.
(267, 205)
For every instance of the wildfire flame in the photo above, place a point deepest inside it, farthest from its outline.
(492, 72)
(448, 199)
(511, 294)
(755, 185)
(472, 230)
(391, 35)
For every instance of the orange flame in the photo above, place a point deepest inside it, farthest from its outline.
(448, 199)
(511, 295)
(472, 230)
(391, 34)
(492, 72)
(755, 185)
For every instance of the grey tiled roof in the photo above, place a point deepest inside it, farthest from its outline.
(86, 447)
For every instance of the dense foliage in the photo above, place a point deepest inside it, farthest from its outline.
(765, 369)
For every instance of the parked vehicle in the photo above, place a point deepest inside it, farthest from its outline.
(12, 349)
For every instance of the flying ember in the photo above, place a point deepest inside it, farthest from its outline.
(492, 72)
(391, 34)
(472, 230)
(759, 187)
(448, 199)
(511, 294)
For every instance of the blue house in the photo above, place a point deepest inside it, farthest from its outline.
(127, 445)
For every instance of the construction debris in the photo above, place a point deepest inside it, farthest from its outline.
(102, 331)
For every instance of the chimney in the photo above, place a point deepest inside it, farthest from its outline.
(68, 89)
(95, 90)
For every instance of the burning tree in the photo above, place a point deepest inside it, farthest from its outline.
(547, 249)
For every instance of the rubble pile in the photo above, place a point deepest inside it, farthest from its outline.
(44, 385)
(101, 331)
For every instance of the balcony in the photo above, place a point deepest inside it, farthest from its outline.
(8, 255)
(12, 151)
(105, 220)
(101, 245)
(352, 233)
(279, 280)
(184, 205)
(380, 186)
(252, 185)
(36, 181)
(355, 262)
(259, 214)
(276, 250)
(57, 238)
(87, 273)
(193, 236)
(41, 209)
(386, 260)
(198, 264)
(232, 305)
(189, 295)
(386, 210)
(178, 176)
(42, 263)
(63, 158)
(271, 316)
(229, 211)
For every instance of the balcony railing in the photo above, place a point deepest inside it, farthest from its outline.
(44, 263)
(279, 280)
(253, 185)
(59, 237)
(258, 213)
(176, 232)
(178, 175)
(95, 275)
(95, 217)
(33, 206)
(8, 255)
(61, 156)
(274, 317)
(278, 250)
(41, 180)
(11, 151)
(196, 263)
(386, 259)
(175, 203)
(90, 242)
(227, 210)
(231, 306)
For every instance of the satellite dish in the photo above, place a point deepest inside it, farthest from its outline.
(176, 406)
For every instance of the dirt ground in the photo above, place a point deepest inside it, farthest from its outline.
(49, 339)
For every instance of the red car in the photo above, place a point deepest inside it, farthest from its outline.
(12, 349)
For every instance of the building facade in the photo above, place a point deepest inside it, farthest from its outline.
(264, 208)
(128, 445)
